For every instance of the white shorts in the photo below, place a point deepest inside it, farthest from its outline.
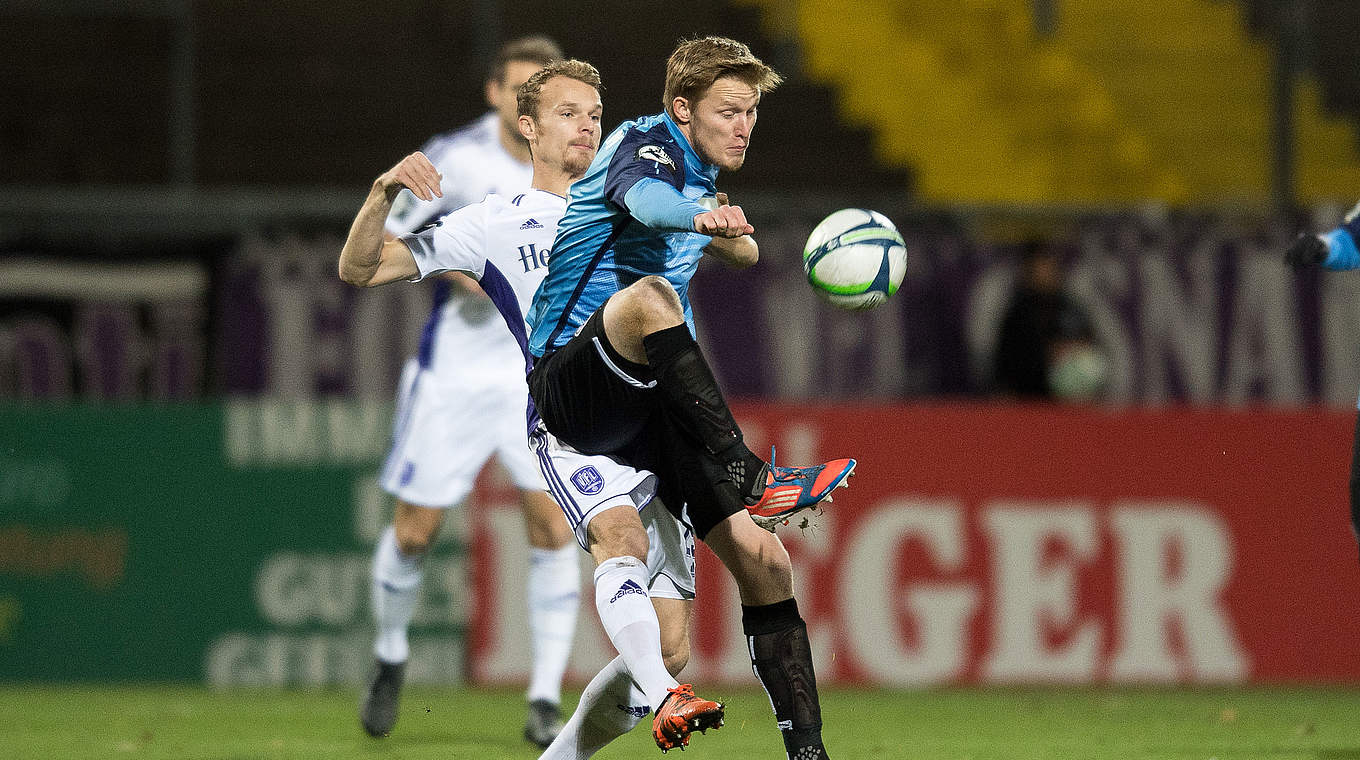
(444, 433)
(584, 486)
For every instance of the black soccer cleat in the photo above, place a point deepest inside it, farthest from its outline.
(378, 711)
(543, 723)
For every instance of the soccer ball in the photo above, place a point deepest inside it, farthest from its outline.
(855, 259)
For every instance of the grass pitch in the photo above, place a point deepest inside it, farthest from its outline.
(184, 723)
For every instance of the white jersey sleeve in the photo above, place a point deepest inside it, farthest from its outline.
(456, 242)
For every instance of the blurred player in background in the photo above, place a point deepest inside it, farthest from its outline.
(1337, 249)
(1046, 347)
(620, 374)
(461, 400)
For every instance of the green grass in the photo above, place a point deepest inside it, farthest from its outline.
(184, 723)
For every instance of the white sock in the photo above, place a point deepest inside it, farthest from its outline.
(609, 708)
(554, 594)
(630, 620)
(396, 587)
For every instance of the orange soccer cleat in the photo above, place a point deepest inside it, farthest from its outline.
(682, 713)
(789, 490)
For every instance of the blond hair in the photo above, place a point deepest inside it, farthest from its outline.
(696, 64)
(528, 95)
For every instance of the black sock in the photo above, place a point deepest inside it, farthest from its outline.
(782, 660)
(692, 395)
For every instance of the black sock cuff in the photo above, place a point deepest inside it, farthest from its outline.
(770, 618)
(664, 345)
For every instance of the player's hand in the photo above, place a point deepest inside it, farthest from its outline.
(1306, 251)
(724, 222)
(415, 173)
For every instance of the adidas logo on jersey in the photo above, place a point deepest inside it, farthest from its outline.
(531, 224)
(629, 587)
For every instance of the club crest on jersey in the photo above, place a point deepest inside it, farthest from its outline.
(657, 154)
(588, 480)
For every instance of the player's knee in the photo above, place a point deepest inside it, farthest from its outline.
(413, 539)
(617, 533)
(654, 296)
(557, 534)
(548, 535)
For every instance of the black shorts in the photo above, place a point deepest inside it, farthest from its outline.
(598, 402)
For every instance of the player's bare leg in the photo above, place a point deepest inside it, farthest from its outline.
(612, 704)
(553, 593)
(398, 567)
(619, 544)
(775, 632)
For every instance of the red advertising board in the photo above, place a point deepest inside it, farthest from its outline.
(1016, 544)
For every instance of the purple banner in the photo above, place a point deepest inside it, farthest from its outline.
(1194, 309)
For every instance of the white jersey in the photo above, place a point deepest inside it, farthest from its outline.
(505, 243)
(464, 342)
(502, 242)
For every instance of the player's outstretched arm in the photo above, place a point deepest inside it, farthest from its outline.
(369, 258)
(737, 252)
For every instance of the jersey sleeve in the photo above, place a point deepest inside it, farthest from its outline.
(1342, 252)
(456, 242)
(661, 207)
(643, 155)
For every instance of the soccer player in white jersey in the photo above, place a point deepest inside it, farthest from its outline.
(461, 400)
(504, 243)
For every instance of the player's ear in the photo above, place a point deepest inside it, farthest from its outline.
(680, 110)
(492, 88)
(527, 129)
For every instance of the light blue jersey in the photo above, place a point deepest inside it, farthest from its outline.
(629, 217)
(1342, 252)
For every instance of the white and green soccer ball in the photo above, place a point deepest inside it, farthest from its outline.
(855, 259)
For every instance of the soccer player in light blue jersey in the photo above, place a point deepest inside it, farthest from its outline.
(618, 373)
(1336, 249)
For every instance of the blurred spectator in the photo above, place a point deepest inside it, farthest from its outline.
(1046, 348)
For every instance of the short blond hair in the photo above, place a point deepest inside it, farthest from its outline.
(697, 64)
(528, 95)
